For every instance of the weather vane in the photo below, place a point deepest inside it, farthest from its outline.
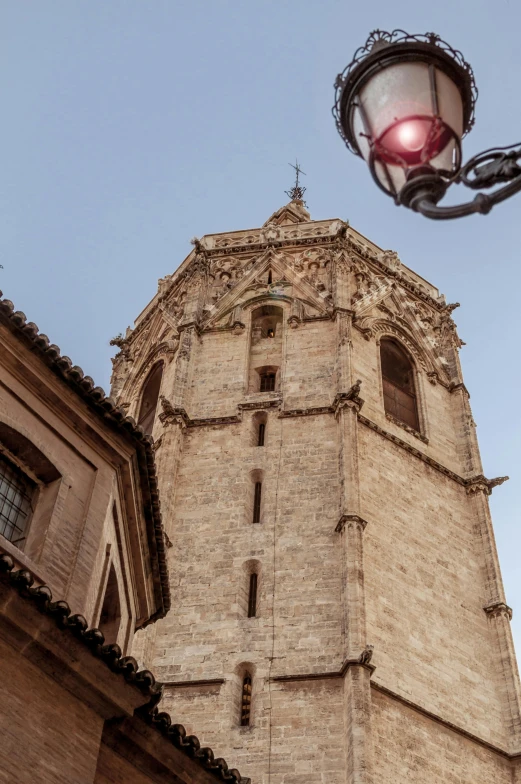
(297, 192)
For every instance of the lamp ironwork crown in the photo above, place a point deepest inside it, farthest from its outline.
(404, 103)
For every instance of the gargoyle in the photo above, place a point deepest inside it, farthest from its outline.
(366, 655)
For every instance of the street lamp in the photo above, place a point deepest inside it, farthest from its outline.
(404, 104)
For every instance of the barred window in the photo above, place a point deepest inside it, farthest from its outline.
(398, 384)
(246, 701)
(16, 492)
(267, 382)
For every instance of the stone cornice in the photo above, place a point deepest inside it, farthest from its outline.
(407, 428)
(318, 676)
(297, 412)
(188, 684)
(473, 485)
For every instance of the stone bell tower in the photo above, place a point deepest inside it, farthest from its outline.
(337, 610)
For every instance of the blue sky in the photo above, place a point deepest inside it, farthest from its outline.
(129, 127)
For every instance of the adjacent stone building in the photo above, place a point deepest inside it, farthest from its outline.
(82, 566)
(337, 608)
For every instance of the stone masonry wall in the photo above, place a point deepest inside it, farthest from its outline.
(418, 749)
(425, 590)
(419, 552)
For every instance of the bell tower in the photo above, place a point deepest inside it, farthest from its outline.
(337, 610)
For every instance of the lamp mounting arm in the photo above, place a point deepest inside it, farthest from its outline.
(496, 166)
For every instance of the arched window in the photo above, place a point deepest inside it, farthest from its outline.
(246, 700)
(149, 398)
(265, 348)
(258, 432)
(398, 383)
(110, 617)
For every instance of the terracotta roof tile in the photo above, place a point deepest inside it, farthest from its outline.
(126, 666)
(105, 407)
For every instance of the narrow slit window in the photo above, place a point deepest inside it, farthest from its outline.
(262, 432)
(270, 277)
(267, 382)
(257, 502)
(252, 597)
(246, 701)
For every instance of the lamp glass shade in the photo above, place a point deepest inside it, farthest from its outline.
(407, 115)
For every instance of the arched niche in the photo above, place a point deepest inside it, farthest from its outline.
(265, 347)
(110, 618)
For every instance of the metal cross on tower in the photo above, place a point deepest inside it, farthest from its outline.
(297, 192)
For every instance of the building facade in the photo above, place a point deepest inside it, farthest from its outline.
(337, 607)
(82, 566)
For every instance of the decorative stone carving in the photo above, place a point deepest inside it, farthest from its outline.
(366, 655)
(172, 415)
(391, 260)
(480, 484)
(349, 399)
(351, 520)
(496, 609)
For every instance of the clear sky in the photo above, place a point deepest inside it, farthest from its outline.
(128, 127)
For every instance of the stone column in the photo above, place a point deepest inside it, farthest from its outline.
(498, 612)
(351, 526)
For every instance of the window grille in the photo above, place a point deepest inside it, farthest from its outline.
(262, 431)
(398, 384)
(16, 492)
(252, 598)
(246, 701)
(267, 382)
(257, 502)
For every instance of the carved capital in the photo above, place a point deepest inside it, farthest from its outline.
(351, 521)
(171, 415)
(496, 609)
(349, 399)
